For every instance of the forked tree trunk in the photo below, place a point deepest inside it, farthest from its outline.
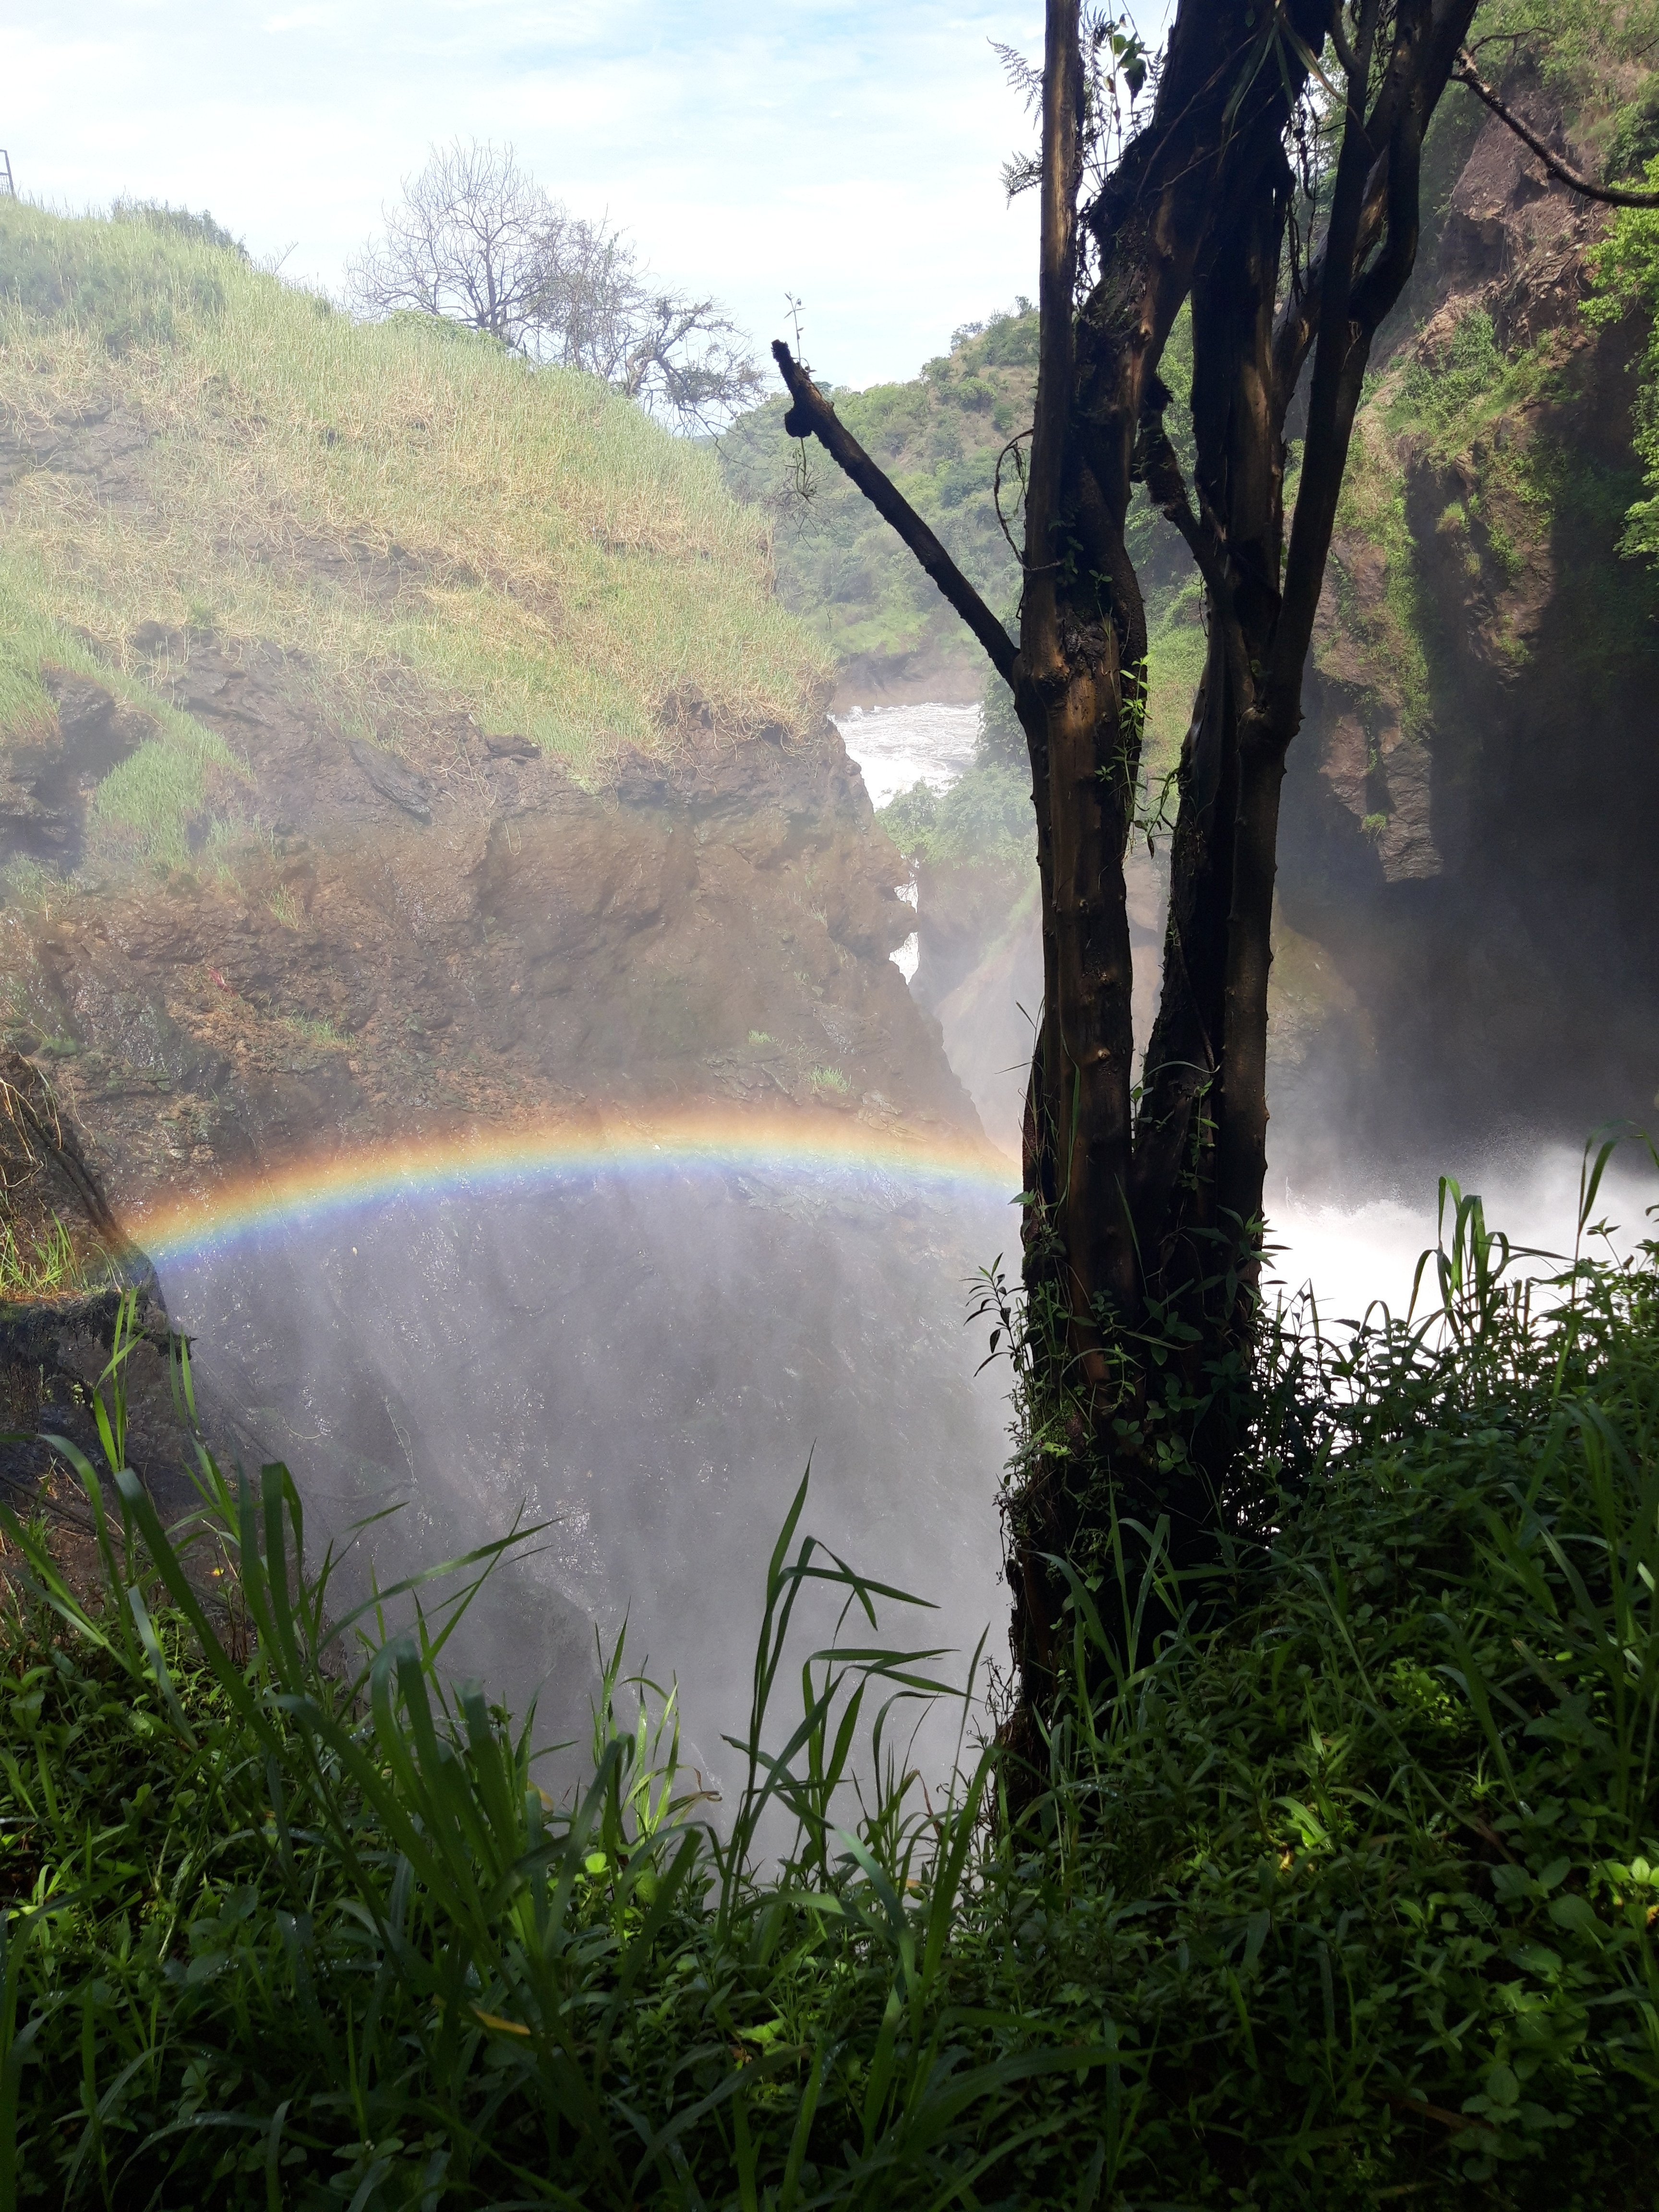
(1144, 1217)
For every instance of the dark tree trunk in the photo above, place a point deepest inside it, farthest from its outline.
(1143, 1220)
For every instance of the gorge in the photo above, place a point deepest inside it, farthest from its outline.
(467, 945)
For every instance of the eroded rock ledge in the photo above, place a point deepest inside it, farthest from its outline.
(710, 929)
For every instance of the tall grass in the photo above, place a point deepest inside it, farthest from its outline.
(1339, 1894)
(40, 1265)
(145, 805)
(405, 507)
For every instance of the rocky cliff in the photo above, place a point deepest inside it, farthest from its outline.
(460, 933)
(1468, 935)
(1469, 827)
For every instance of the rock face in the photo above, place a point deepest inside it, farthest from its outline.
(47, 778)
(57, 1230)
(65, 1265)
(54, 1353)
(456, 933)
(1467, 839)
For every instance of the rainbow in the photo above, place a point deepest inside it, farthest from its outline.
(318, 1189)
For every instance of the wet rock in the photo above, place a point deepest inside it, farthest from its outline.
(401, 785)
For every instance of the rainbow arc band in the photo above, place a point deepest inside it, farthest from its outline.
(310, 1192)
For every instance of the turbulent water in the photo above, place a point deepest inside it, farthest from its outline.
(898, 747)
(1348, 1257)
(1351, 1257)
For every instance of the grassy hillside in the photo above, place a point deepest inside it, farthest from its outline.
(191, 448)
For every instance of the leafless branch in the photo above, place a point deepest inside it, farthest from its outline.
(810, 416)
(476, 240)
(1610, 195)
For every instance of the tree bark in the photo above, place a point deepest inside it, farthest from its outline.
(1143, 1223)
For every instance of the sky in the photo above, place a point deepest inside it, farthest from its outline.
(846, 152)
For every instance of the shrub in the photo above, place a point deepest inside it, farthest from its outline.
(1336, 1889)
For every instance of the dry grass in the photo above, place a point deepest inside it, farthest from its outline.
(403, 508)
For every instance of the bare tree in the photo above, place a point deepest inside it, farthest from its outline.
(468, 241)
(681, 356)
(1144, 1208)
(476, 240)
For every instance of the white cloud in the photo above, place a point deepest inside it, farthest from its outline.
(845, 151)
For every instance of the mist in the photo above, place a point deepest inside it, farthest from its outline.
(640, 1362)
(508, 769)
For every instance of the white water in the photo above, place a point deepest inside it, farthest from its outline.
(899, 746)
(1349, 1256)
(1352, 1256)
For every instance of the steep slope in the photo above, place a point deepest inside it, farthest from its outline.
(394, 738)
(1467, 830)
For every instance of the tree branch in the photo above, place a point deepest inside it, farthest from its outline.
(1611, 195)
(1062, 108)
(1293, 333)
(812, 417)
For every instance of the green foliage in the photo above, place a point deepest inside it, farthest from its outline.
(838, 564)
(135, 282)
(160, 214)
(939, 438)
(1625, 274)
(1635, 139)
(1383, 637)
(985, 816)
(1001, 741)
(1176, 647)
(1453, 403)
(1575, 45)
(1337, 1891)
(38, 1268)
(1441, 394)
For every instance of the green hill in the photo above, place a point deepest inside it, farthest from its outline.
(938, 436)
(419, 522)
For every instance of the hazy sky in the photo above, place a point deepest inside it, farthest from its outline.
(847, 151)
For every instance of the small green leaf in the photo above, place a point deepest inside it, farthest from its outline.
(1571, 1911)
